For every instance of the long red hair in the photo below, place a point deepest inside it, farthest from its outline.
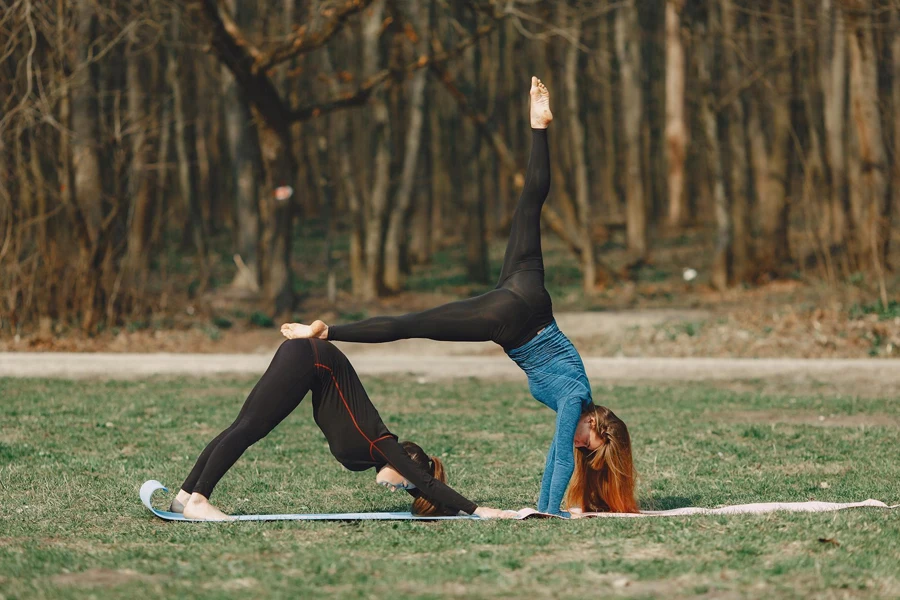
(604, 479)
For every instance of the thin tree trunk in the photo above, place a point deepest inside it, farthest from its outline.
(403, 197)
(440, 176)
(576, 135)
(720, 272)
(477, 265)
(380, 142)
(833, 78)
(277, 216)
(629, 52)
(676, 129)
(608, 160)
(182, 79)
(243, 153)
(737, 152)
(342, 145)
(84, 142)
(895, 113)
(138, 181)
(775, 251)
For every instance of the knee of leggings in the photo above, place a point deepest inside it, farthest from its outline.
(251, 430)
(294, 347)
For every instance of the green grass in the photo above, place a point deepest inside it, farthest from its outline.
(73, 454)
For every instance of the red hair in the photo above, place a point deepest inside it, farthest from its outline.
(422, 506)
(604, 479)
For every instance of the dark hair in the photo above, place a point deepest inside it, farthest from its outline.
(422, 506)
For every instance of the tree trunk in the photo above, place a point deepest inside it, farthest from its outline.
(833, 78)
(474, 202)
(138, 180)
(676, 130)
(380, 142)
(576, 135)
(277, 218)
(608, 164)
(774, 209)
(182, 79)
(628, 50)
(243, 154)
(721, 263)
(872, 234)
(343, 147)
(415, 109)
(737, 152)
(84, 142)
(895, 114)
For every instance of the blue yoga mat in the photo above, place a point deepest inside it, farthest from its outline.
(150, 487)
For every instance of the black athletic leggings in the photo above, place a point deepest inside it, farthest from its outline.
(275, 396)
(513, 312)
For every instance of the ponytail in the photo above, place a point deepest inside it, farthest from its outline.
(604, 480)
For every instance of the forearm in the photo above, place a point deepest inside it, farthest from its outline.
(439, 493)
(567, 418)
(546, 479)
(562, 474)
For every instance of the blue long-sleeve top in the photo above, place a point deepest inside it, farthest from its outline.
(560, 462)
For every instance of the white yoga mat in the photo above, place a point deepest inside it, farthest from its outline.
(150, 487)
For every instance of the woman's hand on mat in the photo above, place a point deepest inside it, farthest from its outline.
(299, 331)
(483, 512)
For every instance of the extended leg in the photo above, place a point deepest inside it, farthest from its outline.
(480, 319)
(276, 395)
(524, 246)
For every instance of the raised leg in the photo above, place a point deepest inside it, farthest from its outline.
(524, 247)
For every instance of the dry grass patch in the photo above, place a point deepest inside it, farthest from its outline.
(100, 578)
(805, 417)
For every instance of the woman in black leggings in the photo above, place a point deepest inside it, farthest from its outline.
(356, 435)
(518, 315)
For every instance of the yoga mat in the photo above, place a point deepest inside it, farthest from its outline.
(745, 509)
(150, 487)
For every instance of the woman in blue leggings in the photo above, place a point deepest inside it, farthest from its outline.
(518, 315)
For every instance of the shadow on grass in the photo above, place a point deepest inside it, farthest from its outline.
(667, 503)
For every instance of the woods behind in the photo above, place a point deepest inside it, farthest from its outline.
(129, 131)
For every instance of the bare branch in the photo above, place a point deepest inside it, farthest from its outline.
(301, 44)
(361, 95)
(236, 53)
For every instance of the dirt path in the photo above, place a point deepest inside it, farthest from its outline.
(437, 360)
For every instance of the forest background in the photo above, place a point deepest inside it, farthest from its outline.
(206, 168)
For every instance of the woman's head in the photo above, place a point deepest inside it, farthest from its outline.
(604, 478)
(422, 506)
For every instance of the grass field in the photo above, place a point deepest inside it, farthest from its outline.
(73, 454)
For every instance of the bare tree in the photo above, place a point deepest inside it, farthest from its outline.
(721, 264)
(873, 222)
(403, 196)
(629, 52)
(676, 129)
(738, 169)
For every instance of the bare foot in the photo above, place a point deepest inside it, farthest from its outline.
(198, 507)
(178, 503)
(298, 331)
(540, 105)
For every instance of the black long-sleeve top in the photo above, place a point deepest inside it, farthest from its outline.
(357, 436)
